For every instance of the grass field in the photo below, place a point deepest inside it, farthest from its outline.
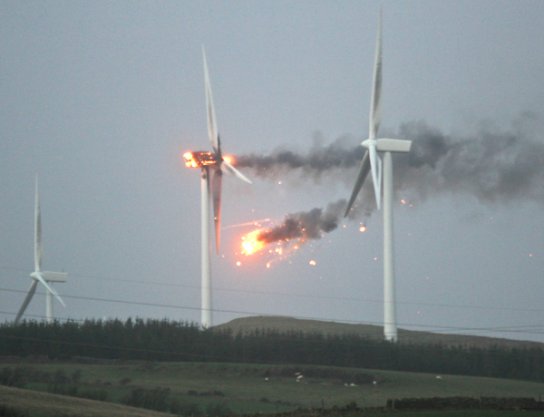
(39, 404)
(241, 388)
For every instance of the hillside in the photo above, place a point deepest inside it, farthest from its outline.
(51, 405)
(280, 324)
(216, 389)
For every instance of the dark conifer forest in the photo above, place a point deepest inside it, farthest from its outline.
(163, 340)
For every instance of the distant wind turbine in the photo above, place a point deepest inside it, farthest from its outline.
(372, 162)
(211, 165)
(39, 276)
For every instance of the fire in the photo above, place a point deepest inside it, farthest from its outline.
(251, 243)
(197, 159)
(270, 246)
(190, 161)
(229, 159)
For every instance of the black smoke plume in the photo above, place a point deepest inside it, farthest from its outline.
(306, 225)
(492, 165)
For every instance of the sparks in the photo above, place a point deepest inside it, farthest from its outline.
(362, 228)
(312, 262)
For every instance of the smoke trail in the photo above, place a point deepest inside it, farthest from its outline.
(306, 225)
(493, 166)
(340, 154)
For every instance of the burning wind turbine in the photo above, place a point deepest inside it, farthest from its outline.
(211, 164)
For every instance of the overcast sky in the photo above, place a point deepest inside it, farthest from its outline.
(100, 99)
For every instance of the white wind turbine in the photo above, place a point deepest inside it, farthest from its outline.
(372, 161)
(211, 165)
(39, 276)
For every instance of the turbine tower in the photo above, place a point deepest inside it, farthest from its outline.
(39, 276)
(211, 164)
(372, 162)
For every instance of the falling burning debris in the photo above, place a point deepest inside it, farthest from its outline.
(252, 242)
(493, 166)
(297, 228)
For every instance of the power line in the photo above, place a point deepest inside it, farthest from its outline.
(298, 295)
(518, 329)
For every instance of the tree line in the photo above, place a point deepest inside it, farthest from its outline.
(164, 340)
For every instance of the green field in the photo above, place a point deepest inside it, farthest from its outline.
(220, 388)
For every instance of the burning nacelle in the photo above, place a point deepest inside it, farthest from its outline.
(199, 159)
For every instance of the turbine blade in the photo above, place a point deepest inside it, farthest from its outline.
(234, 171)
(363, 172)
(375, 100)
(39, 277)
(26, 301)
(38, 249)
(376, 171)
(212, 122)
(216, 182)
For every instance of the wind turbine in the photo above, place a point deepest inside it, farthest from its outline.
(39, 276)
(372, 162)
(211, 164)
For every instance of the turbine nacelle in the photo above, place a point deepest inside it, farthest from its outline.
(393, 145)
(200, 159)
(50, 276)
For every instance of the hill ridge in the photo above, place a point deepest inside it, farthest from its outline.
(286, 324)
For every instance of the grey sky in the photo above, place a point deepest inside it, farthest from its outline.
(101, 98)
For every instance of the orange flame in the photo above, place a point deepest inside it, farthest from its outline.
(251, 243)
(190, 161)
(229, 159)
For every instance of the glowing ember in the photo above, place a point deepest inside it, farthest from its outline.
(406, 202)
(238, 263)
(362, 228)
(312, 262)
(229, 159)
(251, 243)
